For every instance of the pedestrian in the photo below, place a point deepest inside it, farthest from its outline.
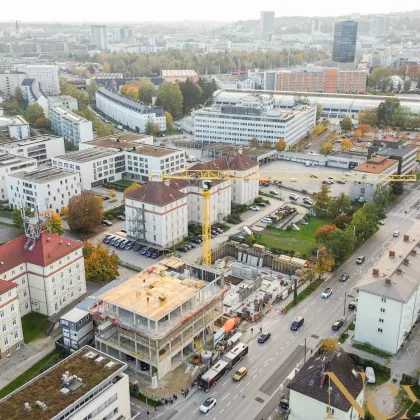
(166, 401)
(182, 392)
(260, 329)
(188, 391)
(148, 413)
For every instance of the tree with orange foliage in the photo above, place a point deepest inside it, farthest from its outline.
(112, 193)
(267, 144)
(358, 134)
(365, 128)
(101, 265)
(329, 344)
(133, 187)
(130, 90)
(281, 145)
(346, 145)
(55, 223)
(323, 232)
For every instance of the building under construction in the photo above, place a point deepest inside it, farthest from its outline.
(161, 315)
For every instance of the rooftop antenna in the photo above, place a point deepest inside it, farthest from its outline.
(34, 223)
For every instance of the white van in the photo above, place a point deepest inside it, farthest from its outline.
(191, 159)
(294, 197)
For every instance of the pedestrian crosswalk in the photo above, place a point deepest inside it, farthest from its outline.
(402, 215)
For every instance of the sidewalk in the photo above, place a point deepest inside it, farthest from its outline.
(24, 359)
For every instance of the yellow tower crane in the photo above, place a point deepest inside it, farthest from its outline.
(207, 176)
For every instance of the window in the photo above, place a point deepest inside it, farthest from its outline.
(2, 314)
(382, 309)
(14, 322)
(380, 330)
(4, 328)
(383, 299)
(23, 280)
(16, 334)
(12, 308)
(381, 320)
(26, 305)
(6, 341)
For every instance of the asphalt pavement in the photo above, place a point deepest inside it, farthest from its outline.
(257, 395)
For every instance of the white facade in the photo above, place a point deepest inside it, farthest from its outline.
(46, 75)
(129, 112)
(70, 125)
(15, 127)
(245, 192)
(99, 36)
(233, 82)
(50, 188)
(77, 328)
(10, 81)
(11, 334)
(307, 408)
(253, 118)
(10, 164)
(63, 101)
(41, 148)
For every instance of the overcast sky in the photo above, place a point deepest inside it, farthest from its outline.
(170, 10)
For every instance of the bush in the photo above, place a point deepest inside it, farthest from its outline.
(234, 219)
(113, 213)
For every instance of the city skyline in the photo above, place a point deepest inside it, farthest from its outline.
(46, 11)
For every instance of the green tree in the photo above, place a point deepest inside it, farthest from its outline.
(339, 205)
(397, 188)
(363, 224)
(327, 147)
(85, 212)
(55, 223)
(169, 120)
(322, 200)
(18, 97)
(369, 117)
(387, 110)
(346, 124)
(101, 264)
(382, 198)
(267, 144)
(319, 110)
(402, 117)
(17, 217)
(341, 242)
(207, 89)
(33, 112)
(170, 98)
(146, 91)
(152, 128)
(324, 262)
(91, 90)
(191, 94)
(308, 274)
(68, 89)
(323, 232)
(254, 142)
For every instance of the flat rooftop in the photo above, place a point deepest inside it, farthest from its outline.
(25, 142)
(108, 76)
(46, 387)
(66, 113)
(42, 175)
(60, 98)
(400, 151)
(87, 155)
(153, 294)
(375, 165)
(405, 276)
(179, 73)
(7, 160)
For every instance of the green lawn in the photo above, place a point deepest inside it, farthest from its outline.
(48, 361)
(372, 350)
(124, 182)
(285, 244)
(33, 326)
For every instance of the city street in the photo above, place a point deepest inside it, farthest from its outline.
(257, 395)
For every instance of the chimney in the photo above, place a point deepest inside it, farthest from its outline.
(392, 253)
(323, 379)
(388, 281)
(406, 238)
(375, 272)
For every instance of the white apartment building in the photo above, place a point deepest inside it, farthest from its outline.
(156, 316)
(11, 334)
(96, 165)
(49, 272)
(45, 74)
(10, 164)
(364, 191)
(63, 101)
(10, 81)
(70, 126)
(129, 112)
(15, 127)
(140, 155)
(253, 115)
(87, 384)
(49, 188)
(226, 81)
(313, 396)
(158, 214)
(99, 36)
(389, 296)
(40, 148)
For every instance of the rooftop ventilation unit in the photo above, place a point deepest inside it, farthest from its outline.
(91, 355)
(100, 359)
(110, 365)
(41, 405)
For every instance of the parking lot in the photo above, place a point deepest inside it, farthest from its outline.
(311, 187)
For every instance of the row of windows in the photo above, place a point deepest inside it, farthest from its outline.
(16, 335)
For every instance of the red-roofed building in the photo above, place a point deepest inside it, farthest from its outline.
(48, 275)
(11, 335)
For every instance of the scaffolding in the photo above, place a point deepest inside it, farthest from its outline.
(137, 226)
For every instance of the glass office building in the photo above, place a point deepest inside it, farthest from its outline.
(345, 35)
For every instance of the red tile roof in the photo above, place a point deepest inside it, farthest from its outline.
(48, 249)
(5, 286)
(234, 161)
(157, 193)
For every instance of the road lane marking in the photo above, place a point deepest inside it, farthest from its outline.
(221, 411)
(310, 318)
(241, 389)
(252, 358)
(287, 342)
(225, 396)
(318, 310)
(238, 385)
(282, 348)
(275, 337)
(229, 404)
(277, 353)
(195, 410)
(312, 303)
(253, 371)
(224, 383)
(262, 348)
(304, 310)
(292, 338)
(247, 383)
(235, 397)
(284, 328)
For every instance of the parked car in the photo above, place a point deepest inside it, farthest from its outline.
(124, 231)
(297, 323)
(326, 293)
(255, 208)
(106, 222)
(293, 196)
(313, 175)
(121, 217)
(304, 222)
(144, 366)
(308, 201)
(117, 242)
(340, 181)
(381, 222)
(396, 234)
(182, 249)
(112, 241)
(370, 375)
(192, 244)
(196, 241)
(122, 244)
(149, 252)
(240, 374)
(264, 337)
(208, 404)
(214, 232)
(107, 239)
(220, 230)
(337, 325)
(136, 247)
(344, 277)
(157, 253)
(129, 358)
(272, 192)
(105, 198)
(360, 259)
(353, 304)
(267, 221)
(129, 245)
(143, 250)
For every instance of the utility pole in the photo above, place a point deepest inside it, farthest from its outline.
(304, 357)
(345, 297)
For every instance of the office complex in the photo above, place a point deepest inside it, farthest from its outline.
(46, 75)
(70, 126)
(345, 36)
(49, 188)
(88, 384)
(267, 24)
(319, 79)
(99, 36)
(378, 25)
(238, 117)
(129, 112)
(158, 316)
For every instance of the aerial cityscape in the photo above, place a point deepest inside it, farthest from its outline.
(210, 214)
